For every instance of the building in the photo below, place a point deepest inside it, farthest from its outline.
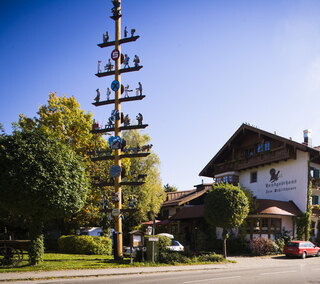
(184, 210)
(277, 170)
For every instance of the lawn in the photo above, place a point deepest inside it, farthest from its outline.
(59, 261)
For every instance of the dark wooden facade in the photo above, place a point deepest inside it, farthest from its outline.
(251, 147)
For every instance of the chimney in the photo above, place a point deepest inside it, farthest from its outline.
(307, 137)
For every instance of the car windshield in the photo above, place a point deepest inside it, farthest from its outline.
(175, 243)
(291, 244)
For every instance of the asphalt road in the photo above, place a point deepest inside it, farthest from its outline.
(247, 270)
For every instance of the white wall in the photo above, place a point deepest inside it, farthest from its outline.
(292, 183)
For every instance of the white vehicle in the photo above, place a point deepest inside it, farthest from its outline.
(91, 231)
(176, 246)
(126, 251)
(166, 235)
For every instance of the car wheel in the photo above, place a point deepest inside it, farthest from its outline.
(304, 254)
(287, 255)
(318, 253)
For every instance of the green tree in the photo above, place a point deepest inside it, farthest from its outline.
(63, 119)
(40, 179)
(151, 194)
(226, 206)
(170, 188)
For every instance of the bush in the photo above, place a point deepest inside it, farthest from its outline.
(164, 242)
(85, 245)
(237, 245)
(262, 246)
(211, 257)
(174, 257)
(280, 243)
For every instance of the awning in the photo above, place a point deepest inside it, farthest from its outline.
(276, 207)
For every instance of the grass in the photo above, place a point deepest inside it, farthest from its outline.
(58, 261)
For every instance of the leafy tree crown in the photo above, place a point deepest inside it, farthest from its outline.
(226, 206)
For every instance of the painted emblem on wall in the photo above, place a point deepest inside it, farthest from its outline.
(274, 175)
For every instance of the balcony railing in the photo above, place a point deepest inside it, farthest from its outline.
(255, 160)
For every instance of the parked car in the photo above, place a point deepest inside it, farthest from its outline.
(301, 248)
(91, 231)
(176, 246)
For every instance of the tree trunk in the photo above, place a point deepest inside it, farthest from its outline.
(224, 238)
(36, 250)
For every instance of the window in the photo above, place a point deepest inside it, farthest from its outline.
(232, 179)
(253, 177)
(267, 146)
(275, 226)
(315, 199)
(256, 225)
(264, 225)
(225, 179)
(260, 148)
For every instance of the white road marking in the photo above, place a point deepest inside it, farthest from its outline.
(211, 279)
(279, 272)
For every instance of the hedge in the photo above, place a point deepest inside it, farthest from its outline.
(85, 245)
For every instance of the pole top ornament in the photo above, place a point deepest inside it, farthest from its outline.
(116, 10)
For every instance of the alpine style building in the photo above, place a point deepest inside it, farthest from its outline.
(277, 171)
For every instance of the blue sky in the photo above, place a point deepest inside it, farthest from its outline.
(209, 66)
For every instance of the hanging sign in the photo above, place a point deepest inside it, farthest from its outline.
(115, 142)
(115, 85)
(115, 54)
(115, 171)
(115, 212)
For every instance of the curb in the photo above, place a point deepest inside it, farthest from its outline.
(17, 277)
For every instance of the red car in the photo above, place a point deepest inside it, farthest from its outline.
(301, 248)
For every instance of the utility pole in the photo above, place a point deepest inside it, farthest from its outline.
(117, 144)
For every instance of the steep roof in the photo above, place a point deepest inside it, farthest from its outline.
(189, 212)
(314, 151)
(181, 197)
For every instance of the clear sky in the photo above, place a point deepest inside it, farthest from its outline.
(209, 66)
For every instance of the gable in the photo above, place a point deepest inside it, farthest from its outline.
(251, 147)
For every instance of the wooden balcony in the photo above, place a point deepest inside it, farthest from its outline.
(269, 157)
